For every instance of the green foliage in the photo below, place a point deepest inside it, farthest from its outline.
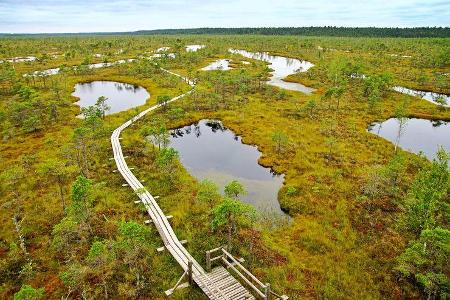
(65, 233)
(26, 93)
(27, 292)
(81, 188)
(92, 117)
(75, 278)
(140, 191)
(133, 232)
(388, 180)
(208, 193)
(58, 172)
(234, 189)
(426, 215)
(163, 100)
(280, 140)
(291, 191)
(310, 108)
(426, 198)
(364, 241)
(230, 211)
(166, 158)
(158, 134)
(97, 249)
(81, 202)
(375, 87)
(102, 106)
(426, 260)
(176, 113)
(8, 77)
(330, 31)
(32, 124)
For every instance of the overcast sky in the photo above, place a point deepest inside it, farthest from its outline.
(34, 16)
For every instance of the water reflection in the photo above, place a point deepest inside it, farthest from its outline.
(55, 71)
(162, 49)
(282, 67)
(19, 59)
(194, 48)
(121, 96)
(221, 64)
(429, 96)
(209, 150)
(415, 135)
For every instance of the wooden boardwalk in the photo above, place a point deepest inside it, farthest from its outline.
(218, 284)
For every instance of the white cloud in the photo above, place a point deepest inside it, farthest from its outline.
(120, 15)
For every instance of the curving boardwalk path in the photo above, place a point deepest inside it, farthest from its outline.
(206, 281)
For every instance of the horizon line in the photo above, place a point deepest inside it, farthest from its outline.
(198, 28)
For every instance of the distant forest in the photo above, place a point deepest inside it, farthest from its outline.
(316, 31)
(418, 32)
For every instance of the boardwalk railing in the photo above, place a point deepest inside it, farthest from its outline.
(171, 242)
(213, 289)
(262, 290)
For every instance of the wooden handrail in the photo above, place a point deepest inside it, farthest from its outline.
(264, 291)
(249, 283)
(244, 269)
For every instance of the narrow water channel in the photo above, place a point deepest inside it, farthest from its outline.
(282, 67)
(429, 96)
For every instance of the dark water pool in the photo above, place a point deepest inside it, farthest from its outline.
(417, 135)
(121, 96)
(208, 150)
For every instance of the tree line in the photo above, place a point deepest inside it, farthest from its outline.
(411, 32)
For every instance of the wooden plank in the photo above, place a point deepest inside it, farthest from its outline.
(171, 242)
(244, 269)
(226, 282)
(232, 293)
(248, 282)
(218, 276)
(215, 276)
(244, 296)
(180, 286)
(221, 277)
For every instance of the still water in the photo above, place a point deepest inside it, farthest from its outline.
(55, 71)
(429, 96)
(221, 64)
(121, 96)
(208, 150)
(194, 48)
(19, 59)
(282, 67)
(416, 135)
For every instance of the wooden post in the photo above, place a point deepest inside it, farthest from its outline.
(267, 291)
(208, 261)
(191, 281)
(223, 253)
